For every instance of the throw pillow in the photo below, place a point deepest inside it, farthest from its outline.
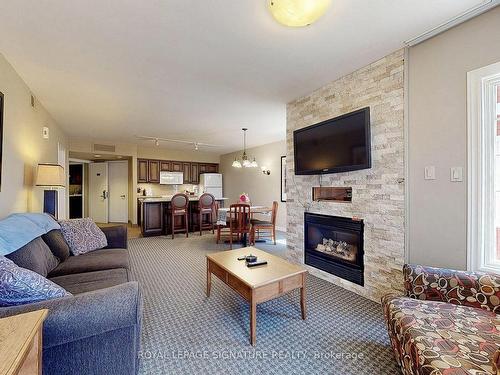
(35, 256)
(83, 235)
(19, 286)
(55, 241)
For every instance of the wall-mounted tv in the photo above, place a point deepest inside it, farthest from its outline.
(340, 144)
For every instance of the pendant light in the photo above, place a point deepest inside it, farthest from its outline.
(236, 163)
(245, 160)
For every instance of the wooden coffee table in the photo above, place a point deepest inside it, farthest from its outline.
(257, 284)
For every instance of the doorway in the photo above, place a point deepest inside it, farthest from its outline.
(118, 191)
(109, 191)
(76, 190)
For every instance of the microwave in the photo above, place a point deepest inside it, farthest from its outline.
(171, 178)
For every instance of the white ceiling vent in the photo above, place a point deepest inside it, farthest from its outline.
(106, 148)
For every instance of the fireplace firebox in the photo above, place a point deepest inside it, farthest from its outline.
(335, 244)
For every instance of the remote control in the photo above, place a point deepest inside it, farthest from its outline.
(242, 258)
(255, 264)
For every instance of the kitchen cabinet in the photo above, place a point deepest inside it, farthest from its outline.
(208, 168)
(212, 168)
(176, 166)
(149, 170)
(152, 218)
(186, 169)
(154, 171)
(165, 166)
(195, 173)
(142, 170)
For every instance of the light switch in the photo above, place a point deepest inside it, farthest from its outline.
(45, 132)
(430, 173)
(456, 174)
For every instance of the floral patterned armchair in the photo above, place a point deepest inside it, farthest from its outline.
(448, 323)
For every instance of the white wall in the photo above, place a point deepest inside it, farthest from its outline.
(23, 145)
(438, 136)
(262, 189)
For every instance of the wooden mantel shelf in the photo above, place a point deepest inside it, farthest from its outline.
(332, 194)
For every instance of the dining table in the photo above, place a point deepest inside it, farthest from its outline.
(222, 216)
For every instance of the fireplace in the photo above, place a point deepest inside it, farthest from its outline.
(335, 244)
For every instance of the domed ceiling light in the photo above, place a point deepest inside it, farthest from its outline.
(298, 13)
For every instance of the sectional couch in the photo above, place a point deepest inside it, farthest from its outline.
(96, 330)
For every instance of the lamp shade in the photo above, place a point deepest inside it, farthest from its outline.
(298, 13)
(50, 175)
(236, 164)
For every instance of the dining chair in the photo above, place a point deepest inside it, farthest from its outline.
(179, 207)
(237, 223)
(206, 208)
(267, 228)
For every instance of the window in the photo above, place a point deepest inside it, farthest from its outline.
(483, 97)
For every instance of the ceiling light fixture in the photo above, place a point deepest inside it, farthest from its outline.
(245, 160)
(298, 13)
(195, 144)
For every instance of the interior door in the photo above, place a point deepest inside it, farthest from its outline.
(98, 192)
(118, 191)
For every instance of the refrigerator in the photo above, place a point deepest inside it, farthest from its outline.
(211, 183)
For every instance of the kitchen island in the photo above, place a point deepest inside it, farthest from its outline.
(152, 212)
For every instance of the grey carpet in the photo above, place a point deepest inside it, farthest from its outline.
(186, 333)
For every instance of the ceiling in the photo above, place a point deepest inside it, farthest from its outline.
(191, 69)
(88, 156)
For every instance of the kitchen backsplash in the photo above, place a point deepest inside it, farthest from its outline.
(158, 190)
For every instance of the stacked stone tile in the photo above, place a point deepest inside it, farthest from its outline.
(378, 193)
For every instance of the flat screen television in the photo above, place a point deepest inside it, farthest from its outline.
(340, 144)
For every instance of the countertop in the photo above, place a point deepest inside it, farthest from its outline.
(168, 198)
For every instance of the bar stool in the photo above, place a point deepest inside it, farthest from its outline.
(206, 207)
(179, 208)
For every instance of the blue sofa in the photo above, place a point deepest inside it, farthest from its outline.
(97, 329)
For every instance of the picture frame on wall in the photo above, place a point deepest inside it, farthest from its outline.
(1, 135)
(283, 178)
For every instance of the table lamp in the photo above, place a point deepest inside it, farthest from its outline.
(52, 177)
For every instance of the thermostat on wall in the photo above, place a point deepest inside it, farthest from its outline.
(45, 132)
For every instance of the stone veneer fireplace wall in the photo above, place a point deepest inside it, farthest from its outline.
(377, 193)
